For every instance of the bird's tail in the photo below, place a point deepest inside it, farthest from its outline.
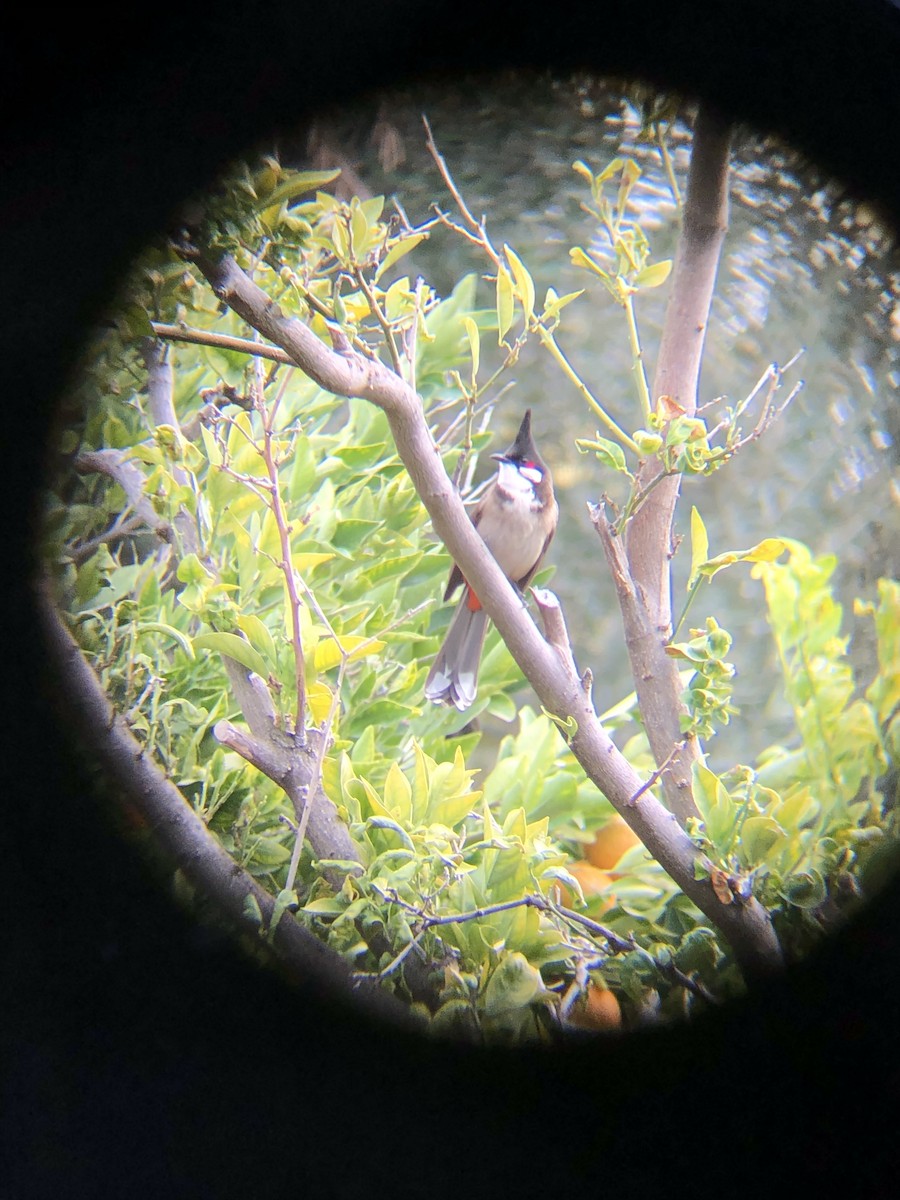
(454, 675)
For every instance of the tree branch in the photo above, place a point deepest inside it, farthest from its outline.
(649, 545)
(128, 475)
(107, 742)
(704, 225)
(651, 667)
(560, 690)
(222, 341)
(288, 762)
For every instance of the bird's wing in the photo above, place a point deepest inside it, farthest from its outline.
(456, 575)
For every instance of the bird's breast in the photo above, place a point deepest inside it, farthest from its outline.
(513, 529)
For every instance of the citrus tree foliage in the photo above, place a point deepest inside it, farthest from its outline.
(463, 896)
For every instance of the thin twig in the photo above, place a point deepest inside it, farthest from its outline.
(380, 318)
(550, 343)
(657, 774)
(667, 163)
(478, 226)
(284, 532)
(122, 527)
(221, 341)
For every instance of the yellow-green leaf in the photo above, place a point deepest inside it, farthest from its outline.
(631, 173)
(258, 635)
(340, 239)
(554, 304)
(580, 258)
(235, 647)
(306, 562)
(161, 627)
(654, 275)
(765, 551)
(397, 251)
(359, 232)
(583, 170)
(397, 793)
(329, 652)
(524, 282)
(505, 304)
(474, 345)
(318, 698)
(699, 546)
(297, 184)
(513, 984)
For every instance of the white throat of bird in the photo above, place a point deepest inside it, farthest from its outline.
(518, 481)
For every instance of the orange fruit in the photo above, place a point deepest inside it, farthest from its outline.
(610, 843)
(596, 1008)
(593, 882)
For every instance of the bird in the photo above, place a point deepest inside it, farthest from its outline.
(516, 518)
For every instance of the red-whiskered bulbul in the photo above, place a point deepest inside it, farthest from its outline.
(517, 518)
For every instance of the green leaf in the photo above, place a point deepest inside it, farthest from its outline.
(377, 822)
(505, 304)
(251, 909)
(610, 454)
(359, 231)
(699, 951)
(653, 276)
(715, 806)
(554, 304)
(325, 906)
(758, 836)
(568, 726)
(699, 546)
(340, 240)
(350, 534)
(258, 635)
(766, 551)
(524, 282)
(580, 258)
(284, 901)
(296, 184)
(176, 634)
(647, 443)
(397, 793)
(474, 345)
(806, 889)
(514, 984)
(360, 456)
(192, 570)
(397, 251)
(234, 647)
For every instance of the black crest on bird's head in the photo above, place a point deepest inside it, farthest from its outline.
(523, 449)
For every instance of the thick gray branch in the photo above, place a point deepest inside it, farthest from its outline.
(161, 401)
(295, 769)
(648, 538)
(660, 704)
